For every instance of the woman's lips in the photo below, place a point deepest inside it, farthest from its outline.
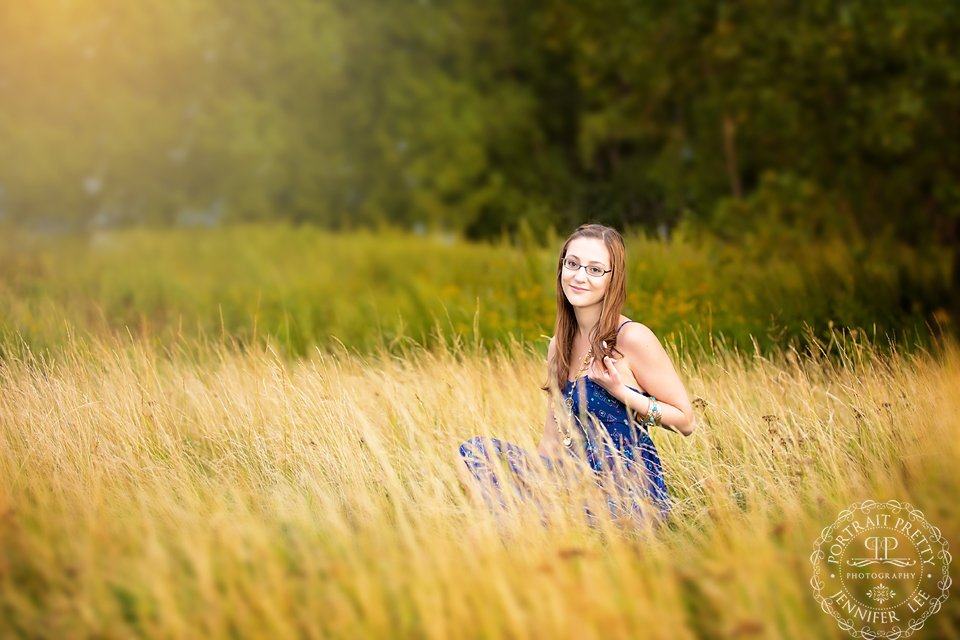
(577, 289)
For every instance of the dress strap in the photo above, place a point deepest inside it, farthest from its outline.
(621, 326)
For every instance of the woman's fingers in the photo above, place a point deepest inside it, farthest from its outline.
(611, 373)
(606, 372)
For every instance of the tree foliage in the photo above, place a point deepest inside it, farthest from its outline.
(474, 116)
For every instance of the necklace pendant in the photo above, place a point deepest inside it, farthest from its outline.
(567, 441)
(569, 403)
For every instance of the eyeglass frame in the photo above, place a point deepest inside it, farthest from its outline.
(585, 268)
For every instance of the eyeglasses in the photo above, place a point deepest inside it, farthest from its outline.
(592, 270)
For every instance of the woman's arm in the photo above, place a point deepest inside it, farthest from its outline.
(550, 444)
(651, 366)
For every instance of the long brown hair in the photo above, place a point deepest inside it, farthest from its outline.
(565, 327)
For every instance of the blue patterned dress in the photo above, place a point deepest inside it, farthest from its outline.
(611, 441)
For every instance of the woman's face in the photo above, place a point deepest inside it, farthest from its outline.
(583, 290)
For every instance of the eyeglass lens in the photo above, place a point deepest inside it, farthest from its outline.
(592, 270)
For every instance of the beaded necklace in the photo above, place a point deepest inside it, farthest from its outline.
(568, 436)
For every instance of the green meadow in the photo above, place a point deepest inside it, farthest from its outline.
(309, 288)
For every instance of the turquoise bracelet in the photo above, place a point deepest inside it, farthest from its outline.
(652, 419)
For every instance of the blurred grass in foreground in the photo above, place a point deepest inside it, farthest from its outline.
(212, 492)
(308, 287)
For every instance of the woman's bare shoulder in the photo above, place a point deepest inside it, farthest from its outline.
(638, 337)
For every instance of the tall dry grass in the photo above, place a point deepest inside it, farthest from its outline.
(206, 491)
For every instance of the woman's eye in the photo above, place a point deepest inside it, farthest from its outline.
(594, 271)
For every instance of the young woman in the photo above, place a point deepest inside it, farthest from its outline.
(602, 418)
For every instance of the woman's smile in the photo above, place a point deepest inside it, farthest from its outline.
(585, 289)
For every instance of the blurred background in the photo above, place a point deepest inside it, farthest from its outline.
(358, 170)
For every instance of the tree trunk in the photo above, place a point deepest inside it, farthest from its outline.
(730, 151)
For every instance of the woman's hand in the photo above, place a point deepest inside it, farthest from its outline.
(606, 375)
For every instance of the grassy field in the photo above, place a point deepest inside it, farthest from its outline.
(204, 490)
(306, 287)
